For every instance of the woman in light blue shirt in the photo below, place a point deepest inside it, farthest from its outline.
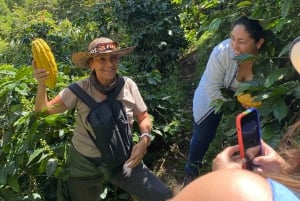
(247, 36)
(276, 179)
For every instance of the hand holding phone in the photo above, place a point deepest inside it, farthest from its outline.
(249, 136)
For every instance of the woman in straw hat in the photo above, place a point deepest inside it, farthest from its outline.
(87, 172)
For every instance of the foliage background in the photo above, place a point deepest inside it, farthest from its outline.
(172, 39)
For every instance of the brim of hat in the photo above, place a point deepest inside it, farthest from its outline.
(295, 54)
(81, 59)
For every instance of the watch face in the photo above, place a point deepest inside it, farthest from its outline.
(295, 54)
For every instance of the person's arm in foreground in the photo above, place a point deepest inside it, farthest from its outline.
(139, 149)
(226, 185)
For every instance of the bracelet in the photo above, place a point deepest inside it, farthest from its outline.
(148, 135)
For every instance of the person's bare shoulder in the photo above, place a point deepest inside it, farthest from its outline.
(227, 185)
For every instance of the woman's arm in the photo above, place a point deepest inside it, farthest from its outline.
(42, 104)
(139, 149)
(214, 75)
(145, 125)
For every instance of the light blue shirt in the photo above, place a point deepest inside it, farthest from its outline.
(281, 192)
(220, 72)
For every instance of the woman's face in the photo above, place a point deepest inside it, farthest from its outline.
(241, 41)
(105, 67)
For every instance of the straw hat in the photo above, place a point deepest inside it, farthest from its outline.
(295, 54)
(99, 46)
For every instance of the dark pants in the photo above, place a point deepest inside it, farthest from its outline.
(203, 134)
(85, 181)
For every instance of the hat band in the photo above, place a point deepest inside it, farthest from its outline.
(102, 47)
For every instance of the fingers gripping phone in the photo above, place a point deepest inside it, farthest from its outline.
(249, 136)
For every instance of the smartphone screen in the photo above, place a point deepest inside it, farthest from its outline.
(249, 137)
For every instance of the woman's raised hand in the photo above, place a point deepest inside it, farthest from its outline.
(40, 74)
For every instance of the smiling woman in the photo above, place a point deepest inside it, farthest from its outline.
(222, 71)
(105, 68)
(86, 165)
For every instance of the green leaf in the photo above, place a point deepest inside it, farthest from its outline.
(278, 91)
(217, 104)
(42, 158)
(276, 75)
(266, 107)
(35, 154)
(152, 81)
(280, 109)
(13, 183)
(279, 24)
(3, 175)
(22, 89)
(9, 195)
(244, 4)
(215, 24)
(23, 119)
(22, 147)
(267, 132)
(204, 37)
(285, 8)
(296, 92)
(157, 132)
(285, 50)
(11, 167)
(244, 57)
(23, 73)
(250, 86)
(51, 119)
(3, 89)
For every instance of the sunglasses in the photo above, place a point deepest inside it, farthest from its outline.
(102, 47)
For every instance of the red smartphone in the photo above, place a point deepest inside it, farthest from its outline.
(249, 136)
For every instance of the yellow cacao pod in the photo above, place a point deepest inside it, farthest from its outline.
(247, 100)
(44, 58)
